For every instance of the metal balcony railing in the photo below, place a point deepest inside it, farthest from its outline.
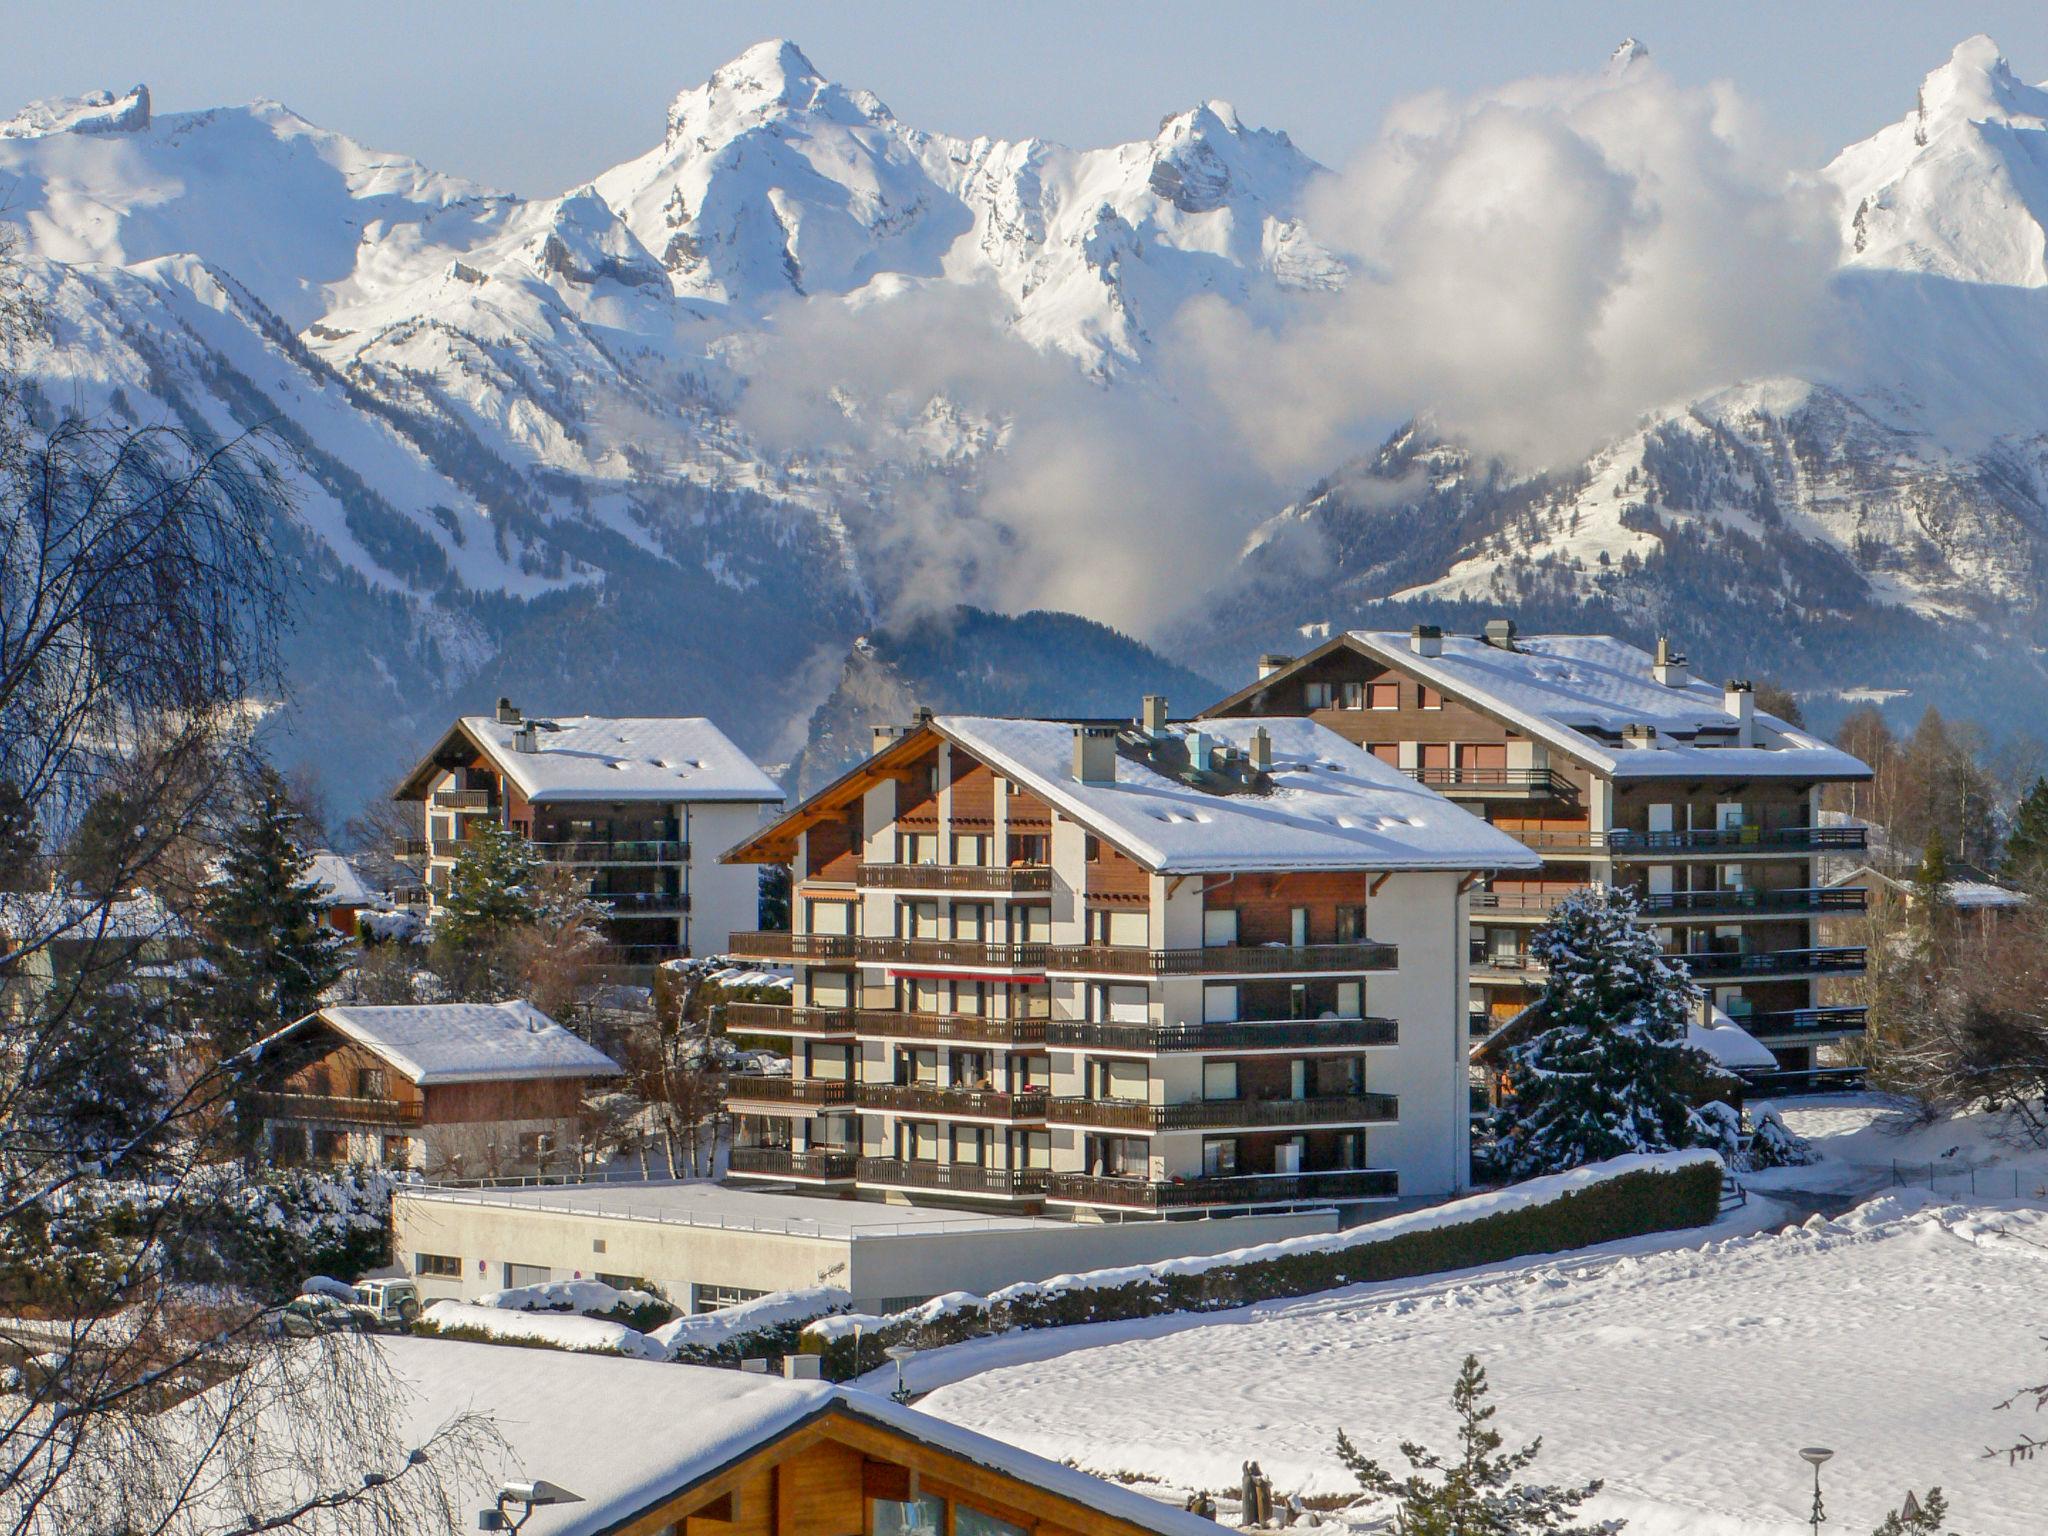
(1845, 1019)
(962, 1178)
(1629, 840)
(935, 1099)
(615, 851)
(1221, 960)
(1725, 902)
(1243, 1189)
(1532, 783)
(1202, 1114)
(335, 1107)
(1843, 959)
(788, 1163)
(996, 879)
(644, 903)
(1244, 1035)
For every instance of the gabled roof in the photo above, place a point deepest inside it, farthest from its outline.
(1577, 693)
(340, 884)
(439, 1043)
(1328, 804)
(601, 757)
(684, 1425)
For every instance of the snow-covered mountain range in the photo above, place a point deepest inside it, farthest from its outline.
(521, 468)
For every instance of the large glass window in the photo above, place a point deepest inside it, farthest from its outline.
(969, 1521)
(922, 1516)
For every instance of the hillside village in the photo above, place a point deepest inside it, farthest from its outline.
(494, 1036)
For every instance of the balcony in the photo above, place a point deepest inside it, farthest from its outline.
(782, 1019)
(615, 851)
(462, 800)
(1807, 1022)
(1496, 783)
(972, 1027)
(1246, 1035)
(959, 1178)
(410, 848)
(1247, 1189)
(1734, 903)
(332, 1107)
(819, 1092)
(1713, 966)
(972, 953)
(1628, 841)
(968, 1103)
(1222, 960)
(779, 944)
(1522, 903)
(1204, 1114)
(644, 903)
(988, 879)
(819, 1165)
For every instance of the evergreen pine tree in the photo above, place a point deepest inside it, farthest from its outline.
(2026, 848)
(264, 938)
(491, 898)
(20, 842)
(1477, 1491)
(1609, 1070)
(1917, 1519)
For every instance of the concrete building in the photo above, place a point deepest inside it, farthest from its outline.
(461, 1090)
(707, 1246)
(1099, 968)
(639, 807)
(1617, 767)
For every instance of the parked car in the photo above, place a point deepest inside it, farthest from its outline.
(390, 1303)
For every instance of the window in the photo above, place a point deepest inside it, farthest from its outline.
(1126, 1080)
(1350, 999)
(1030, 925)
(1383, 696)
(924, 1516)
(287, 1145)
(1219, 1079)
(443, 1266)
(1027, 848)
(1108, 926)
(1427, 697)
(526, 1274)
(1354, 695)
(1219, 927)
(1387, 752)
(1219, 1157)
(969, 1521)
(369, 1082)
(828, 916)
(1351, 925)
(397, 1151)
(621, 1282)
(918, 1141)
(970, 1144)
(1318, 695)
(330, 1146)
(1121, 1004)
(1220, 1005)
(1092, 849)
(716, 1298)
(918, 848)
(970, 850)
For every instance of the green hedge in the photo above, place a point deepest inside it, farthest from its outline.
(1626, 1205)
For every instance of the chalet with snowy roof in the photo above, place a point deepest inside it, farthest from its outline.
(1972, 896)
(343, 894)
(1617, 767)
(1104, 967)
(454, 1089)
(653, 1449)
(639, 807)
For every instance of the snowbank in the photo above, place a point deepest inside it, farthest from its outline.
(1516, 1197)
(590, 1297)
(709, 1331)
(559, 1331)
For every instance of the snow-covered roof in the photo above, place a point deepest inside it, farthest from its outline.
(1730, 1044)
(340, 884)
(683, 1424)
(1976, 895)
(1332, 805)
(640, 757)
(436, 1043)
(1578, 693)
(61, 917)
(698, 1203)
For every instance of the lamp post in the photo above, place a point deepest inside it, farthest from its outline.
(529, 1497)
(1814, 1456)
(900, 1353)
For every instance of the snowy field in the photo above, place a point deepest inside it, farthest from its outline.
(1686, 1374)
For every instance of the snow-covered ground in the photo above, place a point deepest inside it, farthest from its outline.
(1685, 1371)
(1869, 1143)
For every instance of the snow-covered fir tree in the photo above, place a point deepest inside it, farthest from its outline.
(490, 889)
(267, 951)
(1608, 1069)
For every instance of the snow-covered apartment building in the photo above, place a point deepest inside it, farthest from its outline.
(1616, 766)
(1102, 967)
(639, 806)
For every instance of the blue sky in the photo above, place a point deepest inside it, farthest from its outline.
(535, 97)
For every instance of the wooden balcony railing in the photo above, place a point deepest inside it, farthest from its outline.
(1222, 960)
(412, 848)
(462, 799)
(967, 952)
(1202, 1114)
(333, 1107)
(783, 1019)
(788, 1163)
(995, 879)
(935, 1099)
(780, 944)
(1247, 1189)
(972, 1027)
(963, 1178)
(788, 1090)
(1245, 1035)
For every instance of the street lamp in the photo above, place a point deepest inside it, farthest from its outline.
(900, 1353)
(529, 1497)
(1813, 1456)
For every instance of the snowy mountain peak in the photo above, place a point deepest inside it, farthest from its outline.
(770, 79)
(94, 112)
(1976, 85)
